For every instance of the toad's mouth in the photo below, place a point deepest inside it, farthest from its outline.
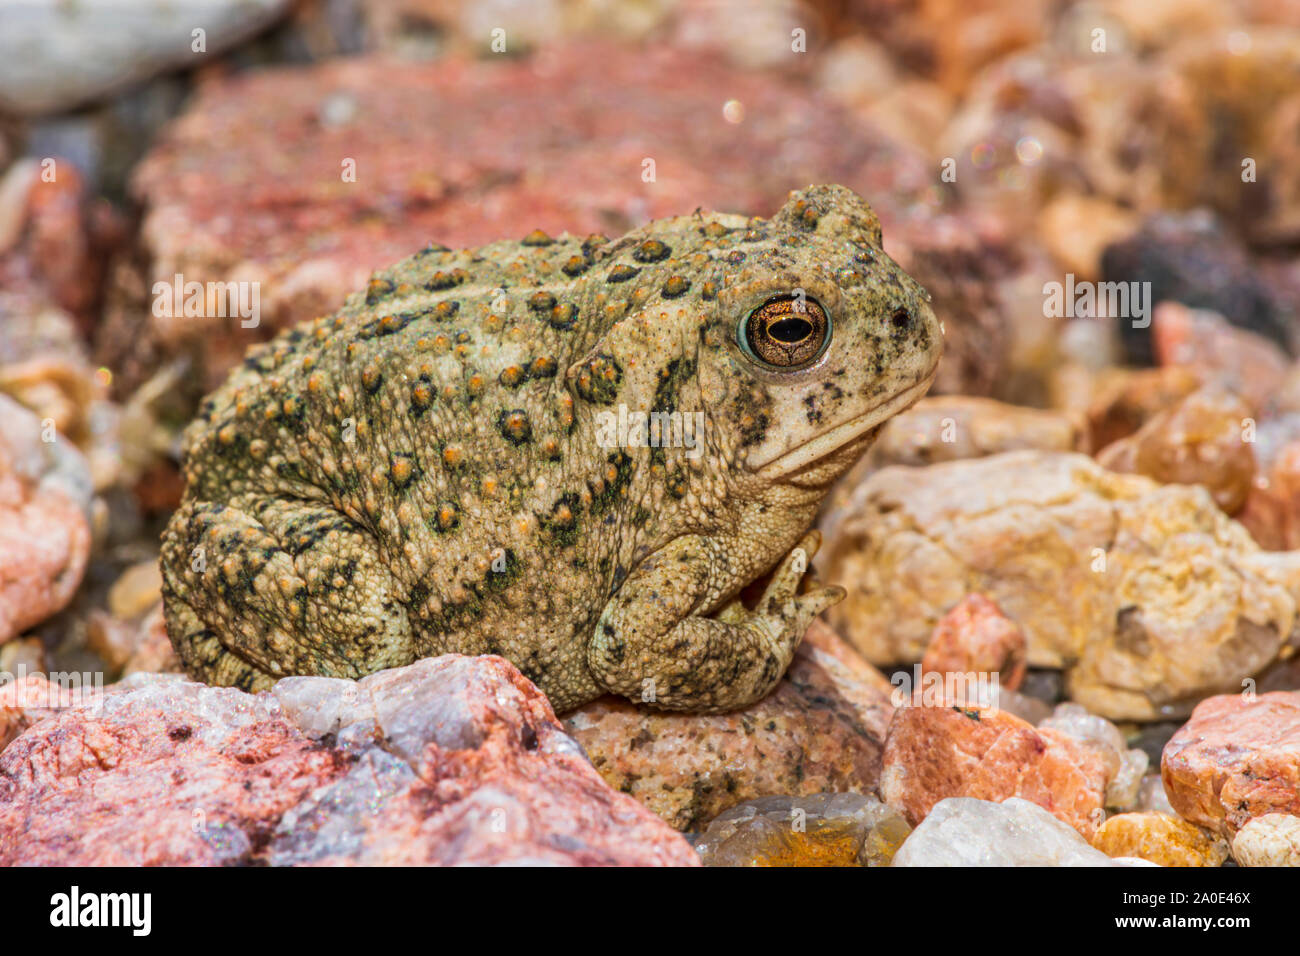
(828, 442)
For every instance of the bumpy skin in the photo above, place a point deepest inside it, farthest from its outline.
(433, 468)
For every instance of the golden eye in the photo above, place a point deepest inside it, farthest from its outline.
(785, 332)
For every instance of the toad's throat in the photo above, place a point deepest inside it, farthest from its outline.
(820, 446)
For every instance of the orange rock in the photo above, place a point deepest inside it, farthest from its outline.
(936, 752)
(976, 636)
(1077, 228)
(1126, 401)
(1200, 441)
(1272, 509)
(1161, 839)
(1237, 758)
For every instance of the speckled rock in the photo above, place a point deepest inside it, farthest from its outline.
(1270, 840)
(825, 829)
(963, 831)
(103, 45)
(275, 208)
(1237, 758)
(1200, 441)
(1149, 594)
(44, 526)
(821, 729)
(453, 760)
(975, 636)
(936, 752)
(1160, 838)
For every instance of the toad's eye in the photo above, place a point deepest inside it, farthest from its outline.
(785, 332)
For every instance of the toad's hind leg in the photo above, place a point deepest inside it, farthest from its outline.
(263, 588)
(651, 644)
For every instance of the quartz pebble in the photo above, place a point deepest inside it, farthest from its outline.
(1217, 352)
(948, 427)
(1151, 796)
(963, 831)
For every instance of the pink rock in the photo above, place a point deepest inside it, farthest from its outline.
(1217, 352)
(1236, 759)
(44, 534)
(451, 760)
(933, 753)
(25, 701)
(464, 152)
(975, 636)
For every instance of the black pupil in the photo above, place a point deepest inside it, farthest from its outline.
(790, 330)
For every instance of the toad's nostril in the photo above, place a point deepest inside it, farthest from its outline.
(901, 319)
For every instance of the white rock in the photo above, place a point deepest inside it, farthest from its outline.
(963, 831)
(1270, 840)
(55, 55)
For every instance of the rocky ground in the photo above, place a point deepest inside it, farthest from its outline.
(1073, 571)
